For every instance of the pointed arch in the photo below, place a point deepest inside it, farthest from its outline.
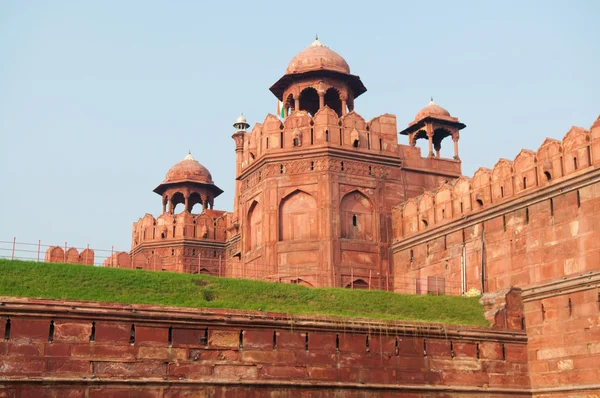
(356, 217)
(194, 200)
(253, 226)
(298, 216)
(177, 199)
(309, 100)
(333, 100)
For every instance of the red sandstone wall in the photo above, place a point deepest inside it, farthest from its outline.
(511, 226)
(56, 254)
(514, 226)
(318, 213)
(91, 349)
(563, 325)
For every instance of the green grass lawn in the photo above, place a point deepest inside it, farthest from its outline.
(78, 282)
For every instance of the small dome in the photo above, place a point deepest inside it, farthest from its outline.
(317, 57)
(241, 119)
(189, 170)
(432, 109)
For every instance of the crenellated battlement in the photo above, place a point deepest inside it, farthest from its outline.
(301, 132)
(209, 225)
(554, 161)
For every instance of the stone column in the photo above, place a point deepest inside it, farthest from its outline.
(430, 139)
(164, 206)
(429, 131)
(296, 104)
(321, 100)
(455, 139)
(186, 202)
(343, 107)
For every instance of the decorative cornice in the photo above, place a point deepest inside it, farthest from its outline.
(566, 285)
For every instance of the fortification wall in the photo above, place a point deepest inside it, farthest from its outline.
(563, 328)
(533, 223)
(56, 254)
(76, 349)
(525, 222)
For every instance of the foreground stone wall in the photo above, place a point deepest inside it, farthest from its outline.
(563, 327)
(77, 349)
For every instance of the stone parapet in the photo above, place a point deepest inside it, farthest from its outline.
(68, 347)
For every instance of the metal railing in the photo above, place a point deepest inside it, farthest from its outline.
(27, 251)
(302, 274)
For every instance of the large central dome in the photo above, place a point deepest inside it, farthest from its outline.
(317, 57)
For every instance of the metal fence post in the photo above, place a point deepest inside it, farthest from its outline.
(39, 249)
(12, 256)
(65, 253)
(387, 281)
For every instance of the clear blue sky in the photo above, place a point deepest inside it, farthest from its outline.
(99, 99)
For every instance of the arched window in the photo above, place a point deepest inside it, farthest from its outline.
(332, 100)
(253, 226)
(177, 200)
(195, 203)
(309, 100)
(295, 141)
(357, 219)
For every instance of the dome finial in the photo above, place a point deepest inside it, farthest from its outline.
(316, 43)
(188, 156)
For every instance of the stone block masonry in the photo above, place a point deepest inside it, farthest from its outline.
(81, 349)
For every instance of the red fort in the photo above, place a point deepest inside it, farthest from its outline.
(325, 198)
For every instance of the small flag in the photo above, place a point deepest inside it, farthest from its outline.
(280, 109)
